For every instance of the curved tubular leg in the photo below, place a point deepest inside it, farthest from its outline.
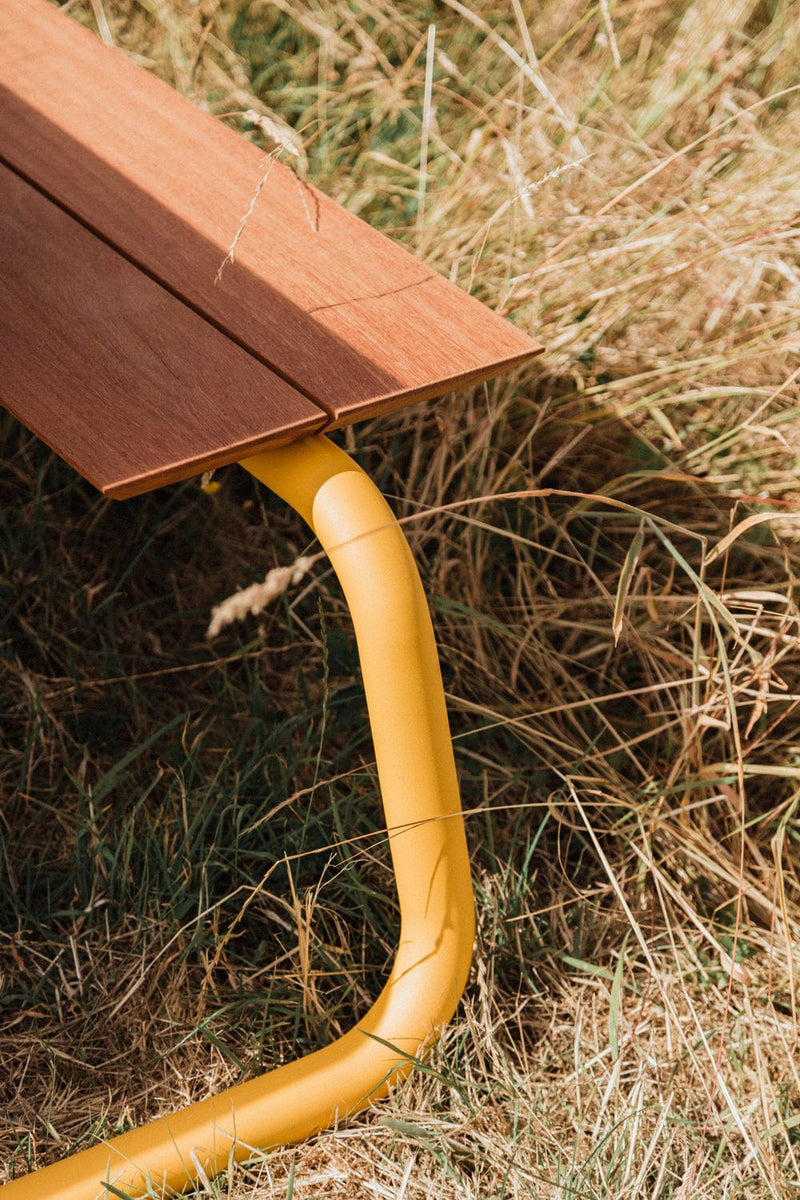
(420, 796)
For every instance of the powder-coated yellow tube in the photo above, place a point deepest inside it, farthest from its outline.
(421, 803)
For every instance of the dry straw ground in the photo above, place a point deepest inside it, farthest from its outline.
(610, 542)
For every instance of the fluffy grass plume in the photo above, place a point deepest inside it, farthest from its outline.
(195, 881)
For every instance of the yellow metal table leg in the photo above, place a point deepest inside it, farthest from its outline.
(422, 811)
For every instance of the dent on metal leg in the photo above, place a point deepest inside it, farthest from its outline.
(422, 812)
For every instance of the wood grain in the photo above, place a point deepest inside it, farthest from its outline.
(354, 321)
(120, 378)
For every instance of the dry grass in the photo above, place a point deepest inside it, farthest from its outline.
(611, 546)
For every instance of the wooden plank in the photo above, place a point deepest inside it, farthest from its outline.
(351, 319)
(120, 378)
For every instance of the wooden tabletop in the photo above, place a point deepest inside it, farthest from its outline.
(121, 348)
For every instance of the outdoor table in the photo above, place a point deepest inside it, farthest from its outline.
(126, 348)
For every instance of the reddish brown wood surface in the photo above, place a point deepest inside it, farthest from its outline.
(352, 321)
(116, 345)
(104, 362)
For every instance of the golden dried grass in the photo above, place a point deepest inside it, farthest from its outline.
(619, 633)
